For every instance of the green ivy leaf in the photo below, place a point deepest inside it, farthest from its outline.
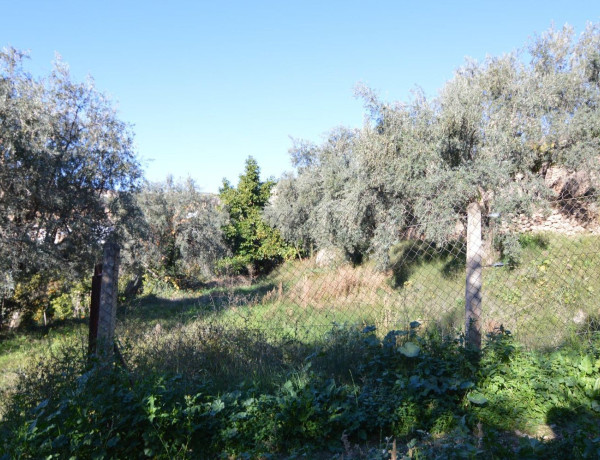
(217, 406)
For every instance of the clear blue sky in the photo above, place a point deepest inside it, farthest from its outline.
(208, 83)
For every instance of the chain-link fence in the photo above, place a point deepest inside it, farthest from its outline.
(535, 275)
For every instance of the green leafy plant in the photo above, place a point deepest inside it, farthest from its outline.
(442, 402)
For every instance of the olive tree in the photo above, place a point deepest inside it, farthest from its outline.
(182, 238)
(67, 172)
(489, 137)
(325, 204)
(484, 143)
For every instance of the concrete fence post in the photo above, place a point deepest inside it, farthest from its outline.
(473, 308)
(107, 308)
(95, 308)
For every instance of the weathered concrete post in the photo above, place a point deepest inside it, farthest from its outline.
(95, 308)
(474, 277)
(108, 299)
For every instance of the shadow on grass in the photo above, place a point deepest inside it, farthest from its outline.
(39, 331)
(566, 421)
(537, 241)
(353, 383)
(153, 307)
(409, 255)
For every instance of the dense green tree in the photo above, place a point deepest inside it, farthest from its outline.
(67, 173)
(256, 247)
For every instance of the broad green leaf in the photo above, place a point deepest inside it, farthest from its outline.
(477, 398)
(409, 349)
(217, 406)
(112, 442)
(586, 365)
(41, 405)
(414, 381)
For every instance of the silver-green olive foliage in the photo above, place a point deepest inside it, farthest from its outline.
(183, 236)
(307, 208)
(67, 172)
(489, 136)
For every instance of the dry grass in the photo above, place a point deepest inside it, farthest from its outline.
(343, 285)
(542, 301)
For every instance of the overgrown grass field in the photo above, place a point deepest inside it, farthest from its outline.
(544, 299)
(215, 393)
(326, 362)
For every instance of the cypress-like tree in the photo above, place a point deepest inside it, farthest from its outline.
(256, 246)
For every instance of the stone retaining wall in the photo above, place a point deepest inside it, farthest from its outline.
(559, 221)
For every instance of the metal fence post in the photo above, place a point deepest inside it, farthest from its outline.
(474, 276)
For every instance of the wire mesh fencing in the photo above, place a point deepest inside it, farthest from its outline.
(542, 288)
